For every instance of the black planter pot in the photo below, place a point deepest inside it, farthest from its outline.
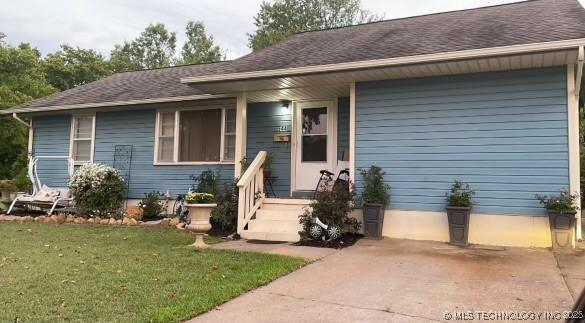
(458, 225)
(562, 227)
(373, 220)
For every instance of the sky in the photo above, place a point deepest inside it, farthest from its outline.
(101, 24)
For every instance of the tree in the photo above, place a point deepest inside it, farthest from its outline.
(71, 67)
(282, 18)
(199, 47)
(21, 80)
(155, 47)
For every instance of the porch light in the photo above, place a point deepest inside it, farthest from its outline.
(285, 103)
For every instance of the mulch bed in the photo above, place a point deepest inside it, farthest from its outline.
(347, 240)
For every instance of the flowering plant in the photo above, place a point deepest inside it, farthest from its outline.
(199, 198)
(564, 202)
(98, 190)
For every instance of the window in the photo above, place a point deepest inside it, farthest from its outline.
(196, 136)
(82, 138)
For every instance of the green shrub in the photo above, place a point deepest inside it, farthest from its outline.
(206, 182)
(331, 207)
(564, 202)
(98, 190)
(22, 182)
(375, 190)
(7, 185)
(460, 195)
(152, 205)
(225, 215)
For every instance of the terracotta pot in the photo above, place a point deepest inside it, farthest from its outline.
(199, 215)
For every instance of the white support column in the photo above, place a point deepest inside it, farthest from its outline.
(573, 116)
(352, 131)
(241, 132)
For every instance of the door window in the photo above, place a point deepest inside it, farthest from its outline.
(314, 135)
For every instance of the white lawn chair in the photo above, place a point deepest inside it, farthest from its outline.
(43, 196)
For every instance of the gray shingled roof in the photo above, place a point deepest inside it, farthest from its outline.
(526, 22)
(534, 21)
(127, 86)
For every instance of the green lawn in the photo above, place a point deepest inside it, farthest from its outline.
(92, 273)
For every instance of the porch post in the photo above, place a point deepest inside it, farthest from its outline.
(352, 131)
(574, 167)
(241, 132)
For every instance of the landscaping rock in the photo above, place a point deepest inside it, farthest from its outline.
(2, 217)
(27, 218)
(82, 220)
(41, 219)
(112, 221)
(180, 226)
(70, 219)
(61, 218)
(165, 222)
(129, 221)
(174, 222)
(118, 222)
(90, 220)
(104, 221)
(134, 212)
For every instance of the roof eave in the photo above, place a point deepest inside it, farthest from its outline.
(19, 109)
(387, 62)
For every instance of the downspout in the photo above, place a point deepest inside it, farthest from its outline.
(578, 83)
(30, 131)
(579, 78)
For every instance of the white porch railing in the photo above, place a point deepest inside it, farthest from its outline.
(251, 191)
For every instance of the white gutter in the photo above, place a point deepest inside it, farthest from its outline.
(17, 118)
(117, 103)
(579, 78)
(464, 54)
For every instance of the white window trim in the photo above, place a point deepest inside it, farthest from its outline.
(176, 161)
(72, 138)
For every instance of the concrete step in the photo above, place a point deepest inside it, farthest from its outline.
(276, 226)
(270, 236)
(283, 215)
(285, 204)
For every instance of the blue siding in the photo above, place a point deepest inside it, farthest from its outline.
(51, 138)
(343, 128)
(137, 128)
(263, 118)
(504, 133)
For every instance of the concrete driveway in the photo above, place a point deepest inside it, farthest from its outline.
(410, 281)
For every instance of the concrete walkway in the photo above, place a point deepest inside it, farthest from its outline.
(410, 281)
(279, 248)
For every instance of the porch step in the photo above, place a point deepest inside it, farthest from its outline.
(276, 214)
(277, 220)
(271, 236)
(275, 226)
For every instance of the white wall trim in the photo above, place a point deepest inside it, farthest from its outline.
(71, 137)
(464, 54)
(293, 149)
(241, 132)
(31, 133)
(573, 133)
(487, 229)
(176, 139)
(352, 94)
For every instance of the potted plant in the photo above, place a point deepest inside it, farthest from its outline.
(561, 217)
(7, 187)
(459, 204)
(200, 206)
(375, 197)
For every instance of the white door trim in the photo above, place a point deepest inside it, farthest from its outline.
(332, 103)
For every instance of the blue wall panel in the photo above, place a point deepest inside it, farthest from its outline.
(504, 133)
(263, 119)
(51, 138)
(136, 128)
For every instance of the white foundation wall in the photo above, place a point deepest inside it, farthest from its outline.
(485, 229)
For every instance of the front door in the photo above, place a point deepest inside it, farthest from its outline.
(316, 140)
